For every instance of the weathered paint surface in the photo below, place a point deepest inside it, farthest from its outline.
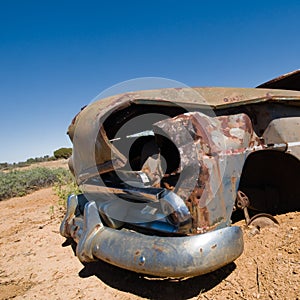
(84, 130)
(284, 131)
(194, 201)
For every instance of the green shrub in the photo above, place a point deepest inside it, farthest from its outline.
(21, 182)
(62, 153)
(65, 186)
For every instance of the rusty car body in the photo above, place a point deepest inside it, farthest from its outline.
(161, 172)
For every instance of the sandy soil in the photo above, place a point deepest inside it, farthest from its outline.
(36, 263)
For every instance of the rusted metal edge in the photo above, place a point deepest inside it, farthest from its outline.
(272, 99)
(212, 96)
(288, 81)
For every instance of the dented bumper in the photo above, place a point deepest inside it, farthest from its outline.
(177, 256)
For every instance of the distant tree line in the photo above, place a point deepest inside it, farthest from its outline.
(61, 153)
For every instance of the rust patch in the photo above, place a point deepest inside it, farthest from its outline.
(158, 248)
(98, 226)
(202, 141)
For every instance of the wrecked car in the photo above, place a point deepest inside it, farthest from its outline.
(162, 173)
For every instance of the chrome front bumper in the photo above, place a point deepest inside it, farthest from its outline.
(181, 256)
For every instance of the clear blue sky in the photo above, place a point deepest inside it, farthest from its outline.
(56, 56)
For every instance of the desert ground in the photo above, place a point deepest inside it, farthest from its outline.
(37, 263)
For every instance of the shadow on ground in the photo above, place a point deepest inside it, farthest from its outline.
(154, 288)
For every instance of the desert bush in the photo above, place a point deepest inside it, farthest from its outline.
(62, 153)
(65, 186)
(22, 182)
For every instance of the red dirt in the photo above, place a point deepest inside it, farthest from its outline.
(34, 264)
